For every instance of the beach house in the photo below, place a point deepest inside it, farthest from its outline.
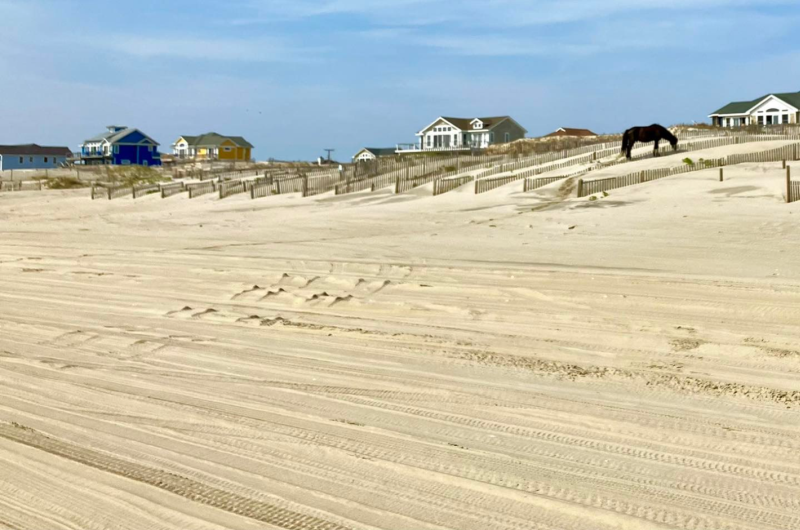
(32, 156)
(568, 132)
(454, 134)
(121, 146)
(372, 153)
(213, 146)
(772, 109)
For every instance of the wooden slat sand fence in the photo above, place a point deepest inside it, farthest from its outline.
(119, 191)
(201, 188)
(234, 187)
(484, 185)
(792, 187)
(318, 185)
(22, 185)
(354, 186)
(99, 192)
(11, 186)
(145, 189)
(262, 189)
(248, 184)
(290, 185)
(590, 187)
(402, 186)
(449, 184)
(174, 188)
(531, 184)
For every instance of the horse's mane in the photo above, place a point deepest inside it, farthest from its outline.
(665, 133)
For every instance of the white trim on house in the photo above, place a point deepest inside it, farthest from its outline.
(436, 121)
(750, 111)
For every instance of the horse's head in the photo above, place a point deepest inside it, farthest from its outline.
(674, 144)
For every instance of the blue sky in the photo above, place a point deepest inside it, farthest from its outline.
(297, 76)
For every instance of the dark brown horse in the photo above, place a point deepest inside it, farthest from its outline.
(654, 133)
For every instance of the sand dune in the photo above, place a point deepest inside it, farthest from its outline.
(500, 361)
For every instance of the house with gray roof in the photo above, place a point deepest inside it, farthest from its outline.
(372, 153)
(213, 146)
(32, 156)
(462, 134)
(772, 109)
(120, 146)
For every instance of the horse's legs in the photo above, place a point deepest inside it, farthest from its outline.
(628, 154)
(655, 150)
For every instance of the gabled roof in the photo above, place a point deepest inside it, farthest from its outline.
(567, 131)
(379, 151)
(213, 139)
(115, 136)
(742, 107)
(465, 124)
(34, 150)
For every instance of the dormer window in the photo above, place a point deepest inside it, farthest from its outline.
(477, 124)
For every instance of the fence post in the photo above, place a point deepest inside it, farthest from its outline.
(580, 188)
(92, 191)
(641, 177)
(784, 163)
(109, 194)
(788, 184)
(305, 185)
(397, 185)
(720, 175)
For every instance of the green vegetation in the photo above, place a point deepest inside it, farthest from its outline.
(66, 183)
(688, 161)
(133, 175)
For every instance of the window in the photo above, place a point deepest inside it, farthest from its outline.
(227, 149)
(30, 160)
(45, 160)
(116, 149)
(491, 137)
(55, 161)
(507, 137)
(21, 160)
(429, 140)
(761, 120)
(785, 118)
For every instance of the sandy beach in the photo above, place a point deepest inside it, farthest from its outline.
(506, 360)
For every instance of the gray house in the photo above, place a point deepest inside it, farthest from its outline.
(455, 134)
(32, 156)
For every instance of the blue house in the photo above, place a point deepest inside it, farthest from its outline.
(121, 146)
(32, 156)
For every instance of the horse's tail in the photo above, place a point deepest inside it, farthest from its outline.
(625, 142)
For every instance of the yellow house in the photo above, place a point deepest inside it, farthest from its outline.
(213, 146)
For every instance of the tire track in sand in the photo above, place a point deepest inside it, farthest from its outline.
(171, 482)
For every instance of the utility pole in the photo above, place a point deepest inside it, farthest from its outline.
(329, 153)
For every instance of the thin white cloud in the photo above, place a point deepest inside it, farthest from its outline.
(480, 13)
(235, 50)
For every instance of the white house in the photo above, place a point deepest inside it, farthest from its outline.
(453, 134)
(773, 109)
(372, 153)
